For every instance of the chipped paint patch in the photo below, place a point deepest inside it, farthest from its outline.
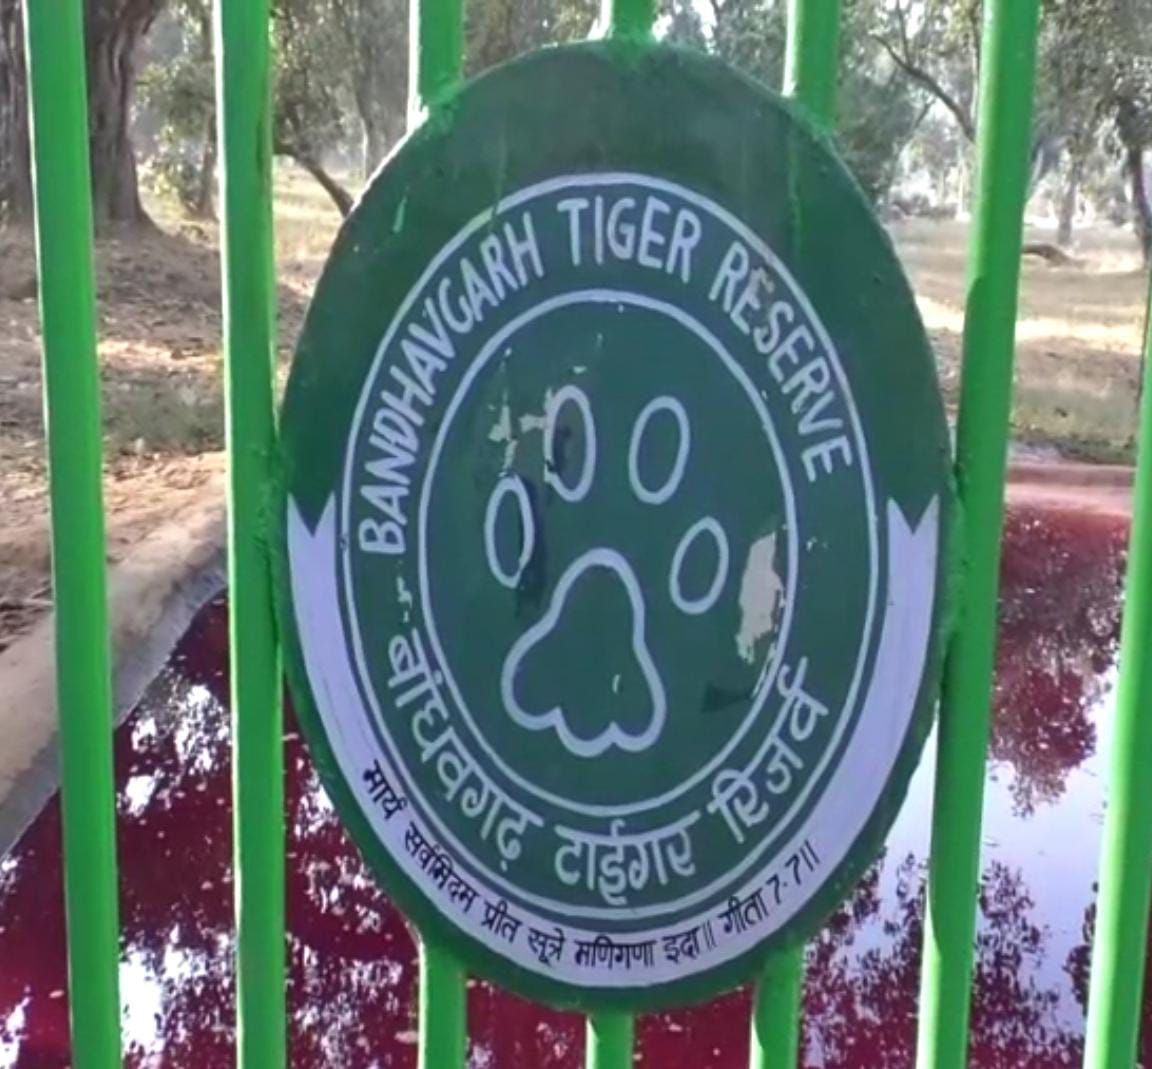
(400, 216)
(760, 591)
(501, 431)
(509, 430)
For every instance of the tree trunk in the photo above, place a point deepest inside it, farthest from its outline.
(962, 183)
(378, 83)
(15, 166)
(113, 29)
(1069, 197)
(201, 207)
(1142, 208)
(340, 196)
(376, 142)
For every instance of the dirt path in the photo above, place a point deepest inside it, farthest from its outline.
(1079, 333)
(159, 328)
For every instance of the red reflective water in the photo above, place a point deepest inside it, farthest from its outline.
(353, 960)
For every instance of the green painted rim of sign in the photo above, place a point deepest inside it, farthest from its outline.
(613, 551)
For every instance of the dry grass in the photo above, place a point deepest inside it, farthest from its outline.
(161, 373)
(1078, 334)
(159, 321)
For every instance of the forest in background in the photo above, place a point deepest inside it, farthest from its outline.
(908, 74)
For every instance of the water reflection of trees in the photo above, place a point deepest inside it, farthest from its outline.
(1079, 965)
(1059, 627)
(863, 976)
(352, 961)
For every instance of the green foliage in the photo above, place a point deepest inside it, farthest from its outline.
(498, 30)
(749, 34)
(877, 119)
(178, 88)
(311, 93)
(908, 77)
(1092, 67)
(878, 111)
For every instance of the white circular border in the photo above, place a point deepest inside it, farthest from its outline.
(764, 683)
(846, 813)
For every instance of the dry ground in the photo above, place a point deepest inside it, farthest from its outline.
(1078, 334)
(160, 363)
(159, 327)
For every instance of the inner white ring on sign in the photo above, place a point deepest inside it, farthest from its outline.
(509, 484)
(684, 434)
(558, 400)
(618, 298)
(696, 606)
(484, 219)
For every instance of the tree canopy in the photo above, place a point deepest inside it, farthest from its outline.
(908, 76)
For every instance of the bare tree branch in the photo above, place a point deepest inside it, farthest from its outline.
(925, 80)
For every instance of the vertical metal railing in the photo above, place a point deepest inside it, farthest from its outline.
(627, 18)
(436, 53)
(811, 57)
(609, 1038)
(1004, 137)
(810, 70)
(244, 114)
(59, 119)
(55, 47)
(1121, 939)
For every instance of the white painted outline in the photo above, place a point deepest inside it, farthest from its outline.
(591, 181)
(665, 403)
(696, 606)
(565, 395)
(509, 483)
(835, 823)
(495, 346)
(555, 717)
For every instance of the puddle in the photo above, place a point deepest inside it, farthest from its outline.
(352, 959)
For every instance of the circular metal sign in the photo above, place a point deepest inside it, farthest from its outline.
(616, 499)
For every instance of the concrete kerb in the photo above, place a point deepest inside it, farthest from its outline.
(153, 595)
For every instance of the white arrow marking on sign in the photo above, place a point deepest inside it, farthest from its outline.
(853, 793)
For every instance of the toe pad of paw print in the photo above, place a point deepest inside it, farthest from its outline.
(629, 717)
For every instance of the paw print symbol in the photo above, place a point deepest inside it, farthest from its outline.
(633, 718)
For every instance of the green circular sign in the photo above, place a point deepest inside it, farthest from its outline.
(616, 505)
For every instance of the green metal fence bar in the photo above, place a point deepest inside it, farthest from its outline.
(627, 18)
(244, 110)
(59, 116)
(609, 1037)
(776, 1013)
(435, 53)
(1120, 943)
(812, 55)
(810, 64)
(435, 64)
(1004, 137)
(608, 1041)
(443, 1035)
